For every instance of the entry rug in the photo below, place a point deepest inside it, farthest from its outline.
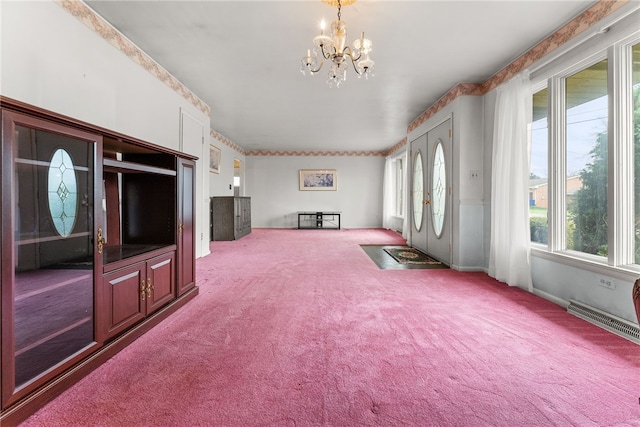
(410, 256)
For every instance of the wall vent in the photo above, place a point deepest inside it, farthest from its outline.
(605, 320)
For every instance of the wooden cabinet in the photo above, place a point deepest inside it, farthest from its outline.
(230, 217)
(96, 247)
(186, 226)
(136, 291)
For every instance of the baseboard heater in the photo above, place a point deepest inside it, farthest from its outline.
(605, 320)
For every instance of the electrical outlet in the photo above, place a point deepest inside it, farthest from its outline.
(607, 282)
(475, 174)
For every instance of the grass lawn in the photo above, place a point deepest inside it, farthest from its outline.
(535, 211)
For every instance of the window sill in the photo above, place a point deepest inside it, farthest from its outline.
(590, 263)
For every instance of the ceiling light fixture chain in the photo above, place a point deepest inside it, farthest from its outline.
(335, 49)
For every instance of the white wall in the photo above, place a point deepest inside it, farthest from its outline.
(272, 184)
(221, 184)
(52, 60)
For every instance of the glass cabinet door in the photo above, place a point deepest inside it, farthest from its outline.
(48, 276)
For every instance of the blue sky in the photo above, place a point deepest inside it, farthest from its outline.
(584, 123)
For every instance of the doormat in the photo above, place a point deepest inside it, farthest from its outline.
(410, 256)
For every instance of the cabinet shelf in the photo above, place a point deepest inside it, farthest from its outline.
(121, 166)
(114, 256)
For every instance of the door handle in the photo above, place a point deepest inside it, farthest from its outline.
(426, 202)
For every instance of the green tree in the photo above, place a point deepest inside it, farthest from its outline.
(588, 209)
(589, 205)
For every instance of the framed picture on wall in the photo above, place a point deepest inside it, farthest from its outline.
(318, 180)
(214, 159)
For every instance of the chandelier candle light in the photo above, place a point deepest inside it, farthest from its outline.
(335, 49)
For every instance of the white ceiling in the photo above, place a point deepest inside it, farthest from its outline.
(243, 59)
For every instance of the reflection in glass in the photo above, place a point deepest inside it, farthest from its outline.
(418, 191)
(438, 190)
(53, 295)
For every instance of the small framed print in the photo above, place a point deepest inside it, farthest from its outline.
(214, 159)
(318, 180)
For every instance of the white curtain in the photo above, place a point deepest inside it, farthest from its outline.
(510, 235)
(388, 195)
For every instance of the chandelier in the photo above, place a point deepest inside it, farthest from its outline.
(335, 49)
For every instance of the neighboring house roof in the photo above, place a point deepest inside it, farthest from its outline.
(538, 182)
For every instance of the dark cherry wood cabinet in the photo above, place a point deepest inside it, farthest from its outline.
(96, 247)
(136, 291)
(186, 225)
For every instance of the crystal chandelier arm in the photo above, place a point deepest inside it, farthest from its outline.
(348, 50)
(317, 69)
(325, 55)
(353, 60)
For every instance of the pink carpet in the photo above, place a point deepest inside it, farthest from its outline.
(301, 328)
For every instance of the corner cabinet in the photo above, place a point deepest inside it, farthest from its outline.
(96, 248)
(230, 217)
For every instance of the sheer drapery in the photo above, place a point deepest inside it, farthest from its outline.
(510, 235)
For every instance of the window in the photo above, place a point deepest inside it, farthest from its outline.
(586, 103)
(539, 168)
(636, 148)
(588, 209)
(399, 168)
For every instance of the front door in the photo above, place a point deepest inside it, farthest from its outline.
(439, 192)
(419, 197)
(431, 192)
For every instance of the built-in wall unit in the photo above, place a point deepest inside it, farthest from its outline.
(105, 197)
(97, 247)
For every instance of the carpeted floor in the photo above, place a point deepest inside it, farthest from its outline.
(300, 328)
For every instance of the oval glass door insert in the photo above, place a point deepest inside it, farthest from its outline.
(63, 192)
(418, 191)
(438, 190)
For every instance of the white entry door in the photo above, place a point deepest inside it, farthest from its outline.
(419, 193)
(439, 192)
(431, 192)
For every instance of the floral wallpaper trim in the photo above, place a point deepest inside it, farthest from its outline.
(396, 147)
(314, 153)
(226, 141)
(576, 26)
(96, 23)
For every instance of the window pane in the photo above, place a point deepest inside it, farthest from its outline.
(636, 147)
(586, 160)
(538, 171)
